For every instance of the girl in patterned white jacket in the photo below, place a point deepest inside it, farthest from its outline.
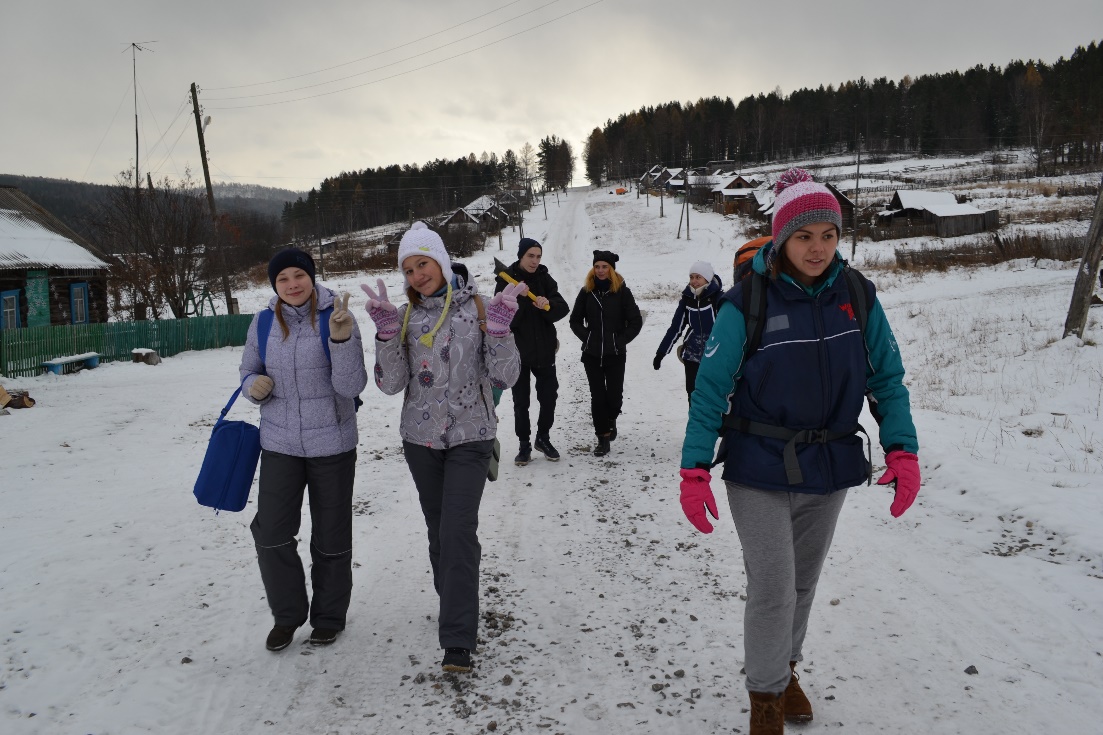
(447, 356)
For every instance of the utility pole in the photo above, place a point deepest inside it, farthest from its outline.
(857, 183)
(687, 206)
(231, 305)
(1089, 265)
(134, 48)
(498, 205)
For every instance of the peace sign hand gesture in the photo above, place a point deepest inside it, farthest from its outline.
(381, 311)
(340, 321)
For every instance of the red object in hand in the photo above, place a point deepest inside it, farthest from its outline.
(696, 497)
(903, 470)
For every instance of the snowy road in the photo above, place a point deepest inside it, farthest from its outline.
(129, 609)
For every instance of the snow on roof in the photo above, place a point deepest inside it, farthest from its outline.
(724, 181)
(742, 192)
(25, 243)
(915, 199)
(952, 210)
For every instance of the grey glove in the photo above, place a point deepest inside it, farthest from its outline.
(261, 387)
(340, 321)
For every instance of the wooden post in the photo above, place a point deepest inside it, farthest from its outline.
(210, 200)
(1089, 265)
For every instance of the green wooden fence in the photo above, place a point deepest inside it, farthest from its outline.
(22, 350)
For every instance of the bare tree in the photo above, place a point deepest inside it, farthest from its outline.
(158, 238)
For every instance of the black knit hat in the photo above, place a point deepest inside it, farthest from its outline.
(607, 256)
(290, 258)
(526, 244)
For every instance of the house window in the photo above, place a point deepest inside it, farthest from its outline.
(78, 300)
(9, 309)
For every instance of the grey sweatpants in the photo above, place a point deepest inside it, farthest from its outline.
(785, 539)
(450, 487)
(283, 479)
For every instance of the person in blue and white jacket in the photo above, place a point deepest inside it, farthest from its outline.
(788, 412)
(696, 311)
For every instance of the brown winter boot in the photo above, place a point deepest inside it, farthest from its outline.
(767, 714)
(796, 705)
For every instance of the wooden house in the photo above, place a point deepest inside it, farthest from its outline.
(48, 273)
(937, 209)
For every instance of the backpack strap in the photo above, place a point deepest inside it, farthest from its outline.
(855, 284)
(754, 311)
(264, 328)
(323, 329)
(481, 308)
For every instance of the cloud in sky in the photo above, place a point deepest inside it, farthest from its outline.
(68, 80)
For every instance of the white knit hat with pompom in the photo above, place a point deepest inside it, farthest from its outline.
(420, 240)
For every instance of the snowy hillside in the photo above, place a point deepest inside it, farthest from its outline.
(130, 609)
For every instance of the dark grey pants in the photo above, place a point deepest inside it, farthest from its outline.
(283, 479)
(450, 487)
(785, 538)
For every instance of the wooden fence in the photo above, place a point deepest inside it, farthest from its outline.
(23, 350)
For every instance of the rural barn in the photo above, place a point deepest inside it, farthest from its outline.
(48, 273)
(939, 210)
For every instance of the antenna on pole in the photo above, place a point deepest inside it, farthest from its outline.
(135, 47)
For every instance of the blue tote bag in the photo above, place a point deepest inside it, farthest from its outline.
(229, 464)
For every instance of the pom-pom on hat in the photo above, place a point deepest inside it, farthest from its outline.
(703, 269)
(801, 201)
(420, 240)
(290, 258)
(607, 256)
(526, 244)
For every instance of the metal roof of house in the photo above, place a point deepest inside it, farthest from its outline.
(952, 210)
(31, 237)
(916, 199)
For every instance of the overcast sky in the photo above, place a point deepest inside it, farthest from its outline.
(524, 70)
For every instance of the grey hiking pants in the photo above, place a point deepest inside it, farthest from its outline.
(450, 487)
(283, 478)
(785, 539)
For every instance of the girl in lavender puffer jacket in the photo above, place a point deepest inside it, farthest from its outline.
(308, 441)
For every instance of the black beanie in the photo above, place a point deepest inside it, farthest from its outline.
(525, 245)
(290, 258)
(606, 255)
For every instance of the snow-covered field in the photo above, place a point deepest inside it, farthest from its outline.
(127, 608)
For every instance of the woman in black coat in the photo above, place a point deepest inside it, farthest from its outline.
(534, 329)
(605, 317)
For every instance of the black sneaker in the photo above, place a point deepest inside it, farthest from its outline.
(456, 659)
(602, 447)
(524, 456)
(613, 431)
(542, 444)
(323, 636)
(280, 637)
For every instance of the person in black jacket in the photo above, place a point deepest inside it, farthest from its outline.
(534, 329)
(605, 317)
(695, 314)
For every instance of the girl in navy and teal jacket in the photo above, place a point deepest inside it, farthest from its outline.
(787, 410)
(695, 314)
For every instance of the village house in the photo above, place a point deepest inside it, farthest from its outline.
(48, 273)
(937, 209)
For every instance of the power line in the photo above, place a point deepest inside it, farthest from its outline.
(384, 66)
(410, 71)
(370, 56)
(109, 126)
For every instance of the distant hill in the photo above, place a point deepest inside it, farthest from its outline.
(76, 203)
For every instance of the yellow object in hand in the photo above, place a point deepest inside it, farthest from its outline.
(510, 279)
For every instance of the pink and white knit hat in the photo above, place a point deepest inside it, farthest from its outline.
(801, 201)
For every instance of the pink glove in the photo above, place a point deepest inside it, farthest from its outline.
(903, 469)
(381, 311)
(696, 496)
(500, 310)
